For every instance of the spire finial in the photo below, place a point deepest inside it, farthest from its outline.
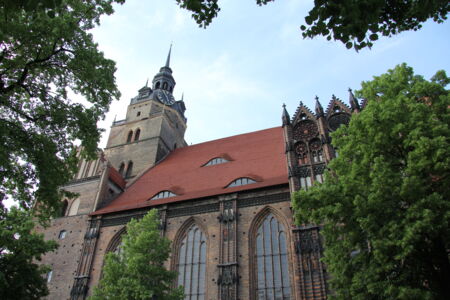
(285, 118)
(182, 96)
(168, 57)
(319, 108)
(146, 83)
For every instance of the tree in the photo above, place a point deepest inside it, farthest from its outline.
(138, 272)
(384, 205)
(355, 23)
(20, 247)
(46, 57)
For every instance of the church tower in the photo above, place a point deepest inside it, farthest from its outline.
(154, 126)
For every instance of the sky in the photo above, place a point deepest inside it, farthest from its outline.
(237, 73)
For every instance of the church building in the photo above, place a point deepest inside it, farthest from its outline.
(225, 204)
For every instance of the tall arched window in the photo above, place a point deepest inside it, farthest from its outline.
(192, 264)
(121, 168)
(129, 169)
(137, 134)
(130, 136)
(165, 86)
(271, 260)
(157, 85)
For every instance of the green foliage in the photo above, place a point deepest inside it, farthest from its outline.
(138, 272)
(359, 23)
(20, 247)
(385, 204)
(354, 23)
(45, 60)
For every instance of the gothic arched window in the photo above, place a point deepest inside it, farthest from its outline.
(271, 258)
(157, 85)
(121, 168)
(192, 264)
(165, 86)
(130, 136)
(129, 169)
(137, 134)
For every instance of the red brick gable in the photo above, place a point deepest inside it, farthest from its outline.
(258, 155)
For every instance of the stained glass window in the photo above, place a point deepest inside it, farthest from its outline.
(192, 264)
(272, 261)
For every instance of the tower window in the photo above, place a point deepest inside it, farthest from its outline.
(136, 136)
(216, 161)
(129, 169)
(165, 86)
(138, 114)
(121, 168)
(158, 84)
(171, 89)
(163, 194)
(241, 181)
(130, 136)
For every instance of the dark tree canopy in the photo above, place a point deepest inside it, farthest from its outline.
(384, 205)
(20, 247)
(137, 271)
(46, 57)
(355, 23)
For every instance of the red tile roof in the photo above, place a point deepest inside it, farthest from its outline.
(258, 155)
(115, 176)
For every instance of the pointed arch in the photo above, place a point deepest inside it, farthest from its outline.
(165, 86)
(270, 256)
(190, 252)
(129, 169)
(116, 240)
(130, 136)
(137, 134)
(121, 168)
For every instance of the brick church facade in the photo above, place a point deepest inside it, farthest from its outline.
(224, 204)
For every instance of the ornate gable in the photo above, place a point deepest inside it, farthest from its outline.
(302, 113)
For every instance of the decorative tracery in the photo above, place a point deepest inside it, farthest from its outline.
(271, 257)
(305, 130)
(192, 264)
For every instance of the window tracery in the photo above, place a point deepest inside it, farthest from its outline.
(271, 257)
(192, 264)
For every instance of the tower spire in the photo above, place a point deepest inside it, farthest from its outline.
(168, 57)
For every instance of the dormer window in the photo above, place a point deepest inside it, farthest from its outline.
(216, 161)
(241, 181)
(163, 194)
